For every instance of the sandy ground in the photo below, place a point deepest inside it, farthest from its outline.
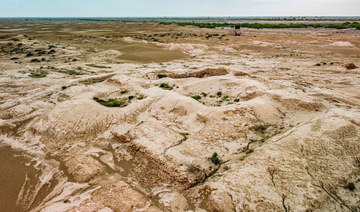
(268, 121)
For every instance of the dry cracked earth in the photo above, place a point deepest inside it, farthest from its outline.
(107, 116)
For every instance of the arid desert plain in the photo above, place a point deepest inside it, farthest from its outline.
(111, 116)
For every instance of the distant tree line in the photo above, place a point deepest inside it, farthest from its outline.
(345, 25)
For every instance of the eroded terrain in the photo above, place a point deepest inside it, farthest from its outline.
(107, 116)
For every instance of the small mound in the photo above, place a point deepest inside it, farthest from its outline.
(342, 43)
(209, 72)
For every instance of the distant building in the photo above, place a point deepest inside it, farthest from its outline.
(237, 31)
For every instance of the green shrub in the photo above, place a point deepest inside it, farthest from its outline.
(350, 186)
(52, 51)
(161, 76)
(111, 102)
(214, 158)
(35, 60)
(196, 97)
(236, 100)
(165, 86)
(249, 151)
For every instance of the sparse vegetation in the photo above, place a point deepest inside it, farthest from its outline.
(92, 81)
(165, 86)
(196, 97)
(111, 102)
(215, 159)
(35, 60)
(161, 76)
(249, 151)
(260, 128)
(350, 186)
(344, 25)
(38, 74)
(70, 72)
(242, 158)
(97, 66)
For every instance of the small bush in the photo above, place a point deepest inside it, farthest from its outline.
(249, 151)
(236, 100)
(29, 54)
(35, 60)
(161, 76)
(196, 97)
(165, 86)
(52, 51)
(350, 186)
(215, 159)
(123, 92)
(226, 168)
(14, 58)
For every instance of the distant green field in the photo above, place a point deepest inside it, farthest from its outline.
(345, 25)
(214, 22)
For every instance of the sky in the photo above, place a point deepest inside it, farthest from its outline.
(176, 8)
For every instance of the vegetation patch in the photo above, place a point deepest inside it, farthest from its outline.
(344, 25)
(38, 74)
(350, 186)
(71, 72)
(35, 60)
(111, 102)
(97, 66)
(215, 159)
(161, 76)
(196, 97)
(165, 86)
